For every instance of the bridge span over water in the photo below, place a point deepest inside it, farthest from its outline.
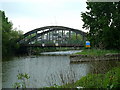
(53, 36)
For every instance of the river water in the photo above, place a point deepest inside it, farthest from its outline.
(49, 70)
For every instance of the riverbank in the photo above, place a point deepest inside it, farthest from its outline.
(95, 55)
(110, 80)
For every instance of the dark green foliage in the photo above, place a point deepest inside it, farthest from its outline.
(9, 37)
(76, 40)
(110, 80)
(91, 81)
(102, 19)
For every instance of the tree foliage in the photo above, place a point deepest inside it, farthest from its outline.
(9, 37)
(102, 19)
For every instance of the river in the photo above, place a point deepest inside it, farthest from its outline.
(45, 71)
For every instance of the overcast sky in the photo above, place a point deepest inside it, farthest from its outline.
(30, 14)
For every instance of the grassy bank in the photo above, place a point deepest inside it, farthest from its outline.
(97, 52)
(111, 79)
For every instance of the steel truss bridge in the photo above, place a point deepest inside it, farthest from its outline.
(53, 36)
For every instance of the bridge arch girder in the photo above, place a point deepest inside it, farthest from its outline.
(48, 29)
(51, 27)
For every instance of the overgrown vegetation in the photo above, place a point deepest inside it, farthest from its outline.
(97, 52)
(102, 20)
(109, 80)
(9, 37)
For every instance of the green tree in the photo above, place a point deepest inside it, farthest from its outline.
(75, 39)
(102, 20)
(9, 37)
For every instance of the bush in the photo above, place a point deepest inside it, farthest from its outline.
(112, 79)
(109, 80)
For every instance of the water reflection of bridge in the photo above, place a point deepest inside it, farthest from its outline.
(54, 36)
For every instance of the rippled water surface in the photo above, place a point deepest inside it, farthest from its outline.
(49, 70)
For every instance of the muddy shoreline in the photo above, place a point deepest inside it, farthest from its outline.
(87, 58)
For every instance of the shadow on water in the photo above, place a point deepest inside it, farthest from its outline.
(100, 66)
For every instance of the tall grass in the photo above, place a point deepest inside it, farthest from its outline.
(109, 80)
(97, 52)
(102, 76)
(61, 78)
